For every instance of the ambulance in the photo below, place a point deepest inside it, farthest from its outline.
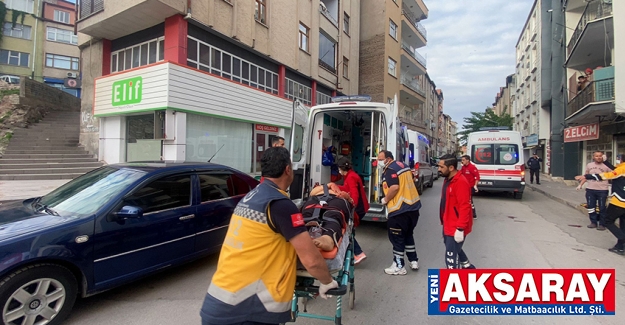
(359, 129)
(419, 160)
(498, 155)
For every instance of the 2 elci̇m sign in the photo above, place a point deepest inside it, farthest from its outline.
(127, 91)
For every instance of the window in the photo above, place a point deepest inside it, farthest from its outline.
(323, 98)
(163, 194)
(261, 11)
(14, 58)
(138, 55)
(497, 154)
(391, 67)
(327, 52)
(20, 31)
(61, 16)
(206, 57)
(393, 29)
(295, 90)
(89, 7)
(62, 62)
(21, 5)
(62, 35)
(345, 68)
(303, 37)
(221, 186)
(345, 23)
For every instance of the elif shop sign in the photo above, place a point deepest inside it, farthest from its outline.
(581, 133)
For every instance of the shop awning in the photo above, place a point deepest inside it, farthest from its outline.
(592, 112)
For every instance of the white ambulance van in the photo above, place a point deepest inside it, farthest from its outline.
(359, 129)
(419, 160)
(498, 156)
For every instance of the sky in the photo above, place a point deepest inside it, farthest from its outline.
(471, 50)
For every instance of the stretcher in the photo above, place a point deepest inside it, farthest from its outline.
(340, 262)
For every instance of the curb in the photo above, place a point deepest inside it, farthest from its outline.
(573, 205)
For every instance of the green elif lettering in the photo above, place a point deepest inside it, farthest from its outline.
(128, 91)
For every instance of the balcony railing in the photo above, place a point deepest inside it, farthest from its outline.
(90, 7)
(595, 10)
(596, 91)
(412, 84)
(406, 12)
(328, 15)
(414, 54)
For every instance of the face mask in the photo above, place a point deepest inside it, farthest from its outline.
(618, 162)
(381, 164)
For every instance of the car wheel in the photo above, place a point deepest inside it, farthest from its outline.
(518, 195)
(38, 294)
(431, 183)
(420, 187)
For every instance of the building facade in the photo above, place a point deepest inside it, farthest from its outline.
(390, 65)
(595, 51)
(60, 46)
(531, 108)
(179, 80)
(431, 114)
(504, 97)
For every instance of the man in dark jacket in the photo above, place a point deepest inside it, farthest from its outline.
(533, 164)
(455, 213)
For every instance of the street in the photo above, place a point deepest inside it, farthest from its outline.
(536, 232)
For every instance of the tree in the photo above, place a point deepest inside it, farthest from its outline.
(488, 118)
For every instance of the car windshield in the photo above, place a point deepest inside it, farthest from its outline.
(86, 194)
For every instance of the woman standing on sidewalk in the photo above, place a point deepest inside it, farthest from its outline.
(616, 209)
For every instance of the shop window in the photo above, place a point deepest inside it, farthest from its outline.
(138, 55)
(295, 90)
(323, 98)
(603, 144)
(208, 58)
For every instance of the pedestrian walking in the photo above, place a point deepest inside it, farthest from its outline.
(402, 205)
(616, 208)
(256, 272)
(533, 164)
(353, 185)
(469, 170)
(455, 213)
(596, 191)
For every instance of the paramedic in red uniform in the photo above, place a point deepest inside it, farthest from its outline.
(473, 176)
(455, 213)
(353, 185)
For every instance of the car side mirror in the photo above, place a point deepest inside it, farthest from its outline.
(129, 212)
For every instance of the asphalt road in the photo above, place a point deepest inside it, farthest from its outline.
(535, 232)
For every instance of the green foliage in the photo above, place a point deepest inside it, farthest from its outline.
(7, 92)
(487, 118)
(16, 15)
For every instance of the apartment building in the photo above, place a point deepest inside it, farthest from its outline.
(452, 137)
(504, 97)
(531, 108)
(595, 69)
(390, 64)
(179, 80)
(20, 48)
(431, 112)
(442, 136)
(61, 65)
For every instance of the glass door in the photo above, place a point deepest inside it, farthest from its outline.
(140, 142)
(260, 145)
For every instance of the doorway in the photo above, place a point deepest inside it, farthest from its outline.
(262, 141)
(140, 142)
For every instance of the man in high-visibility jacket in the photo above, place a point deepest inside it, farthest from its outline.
(256, 272)
(402, 204)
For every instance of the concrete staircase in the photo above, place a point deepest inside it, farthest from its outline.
(47, 150)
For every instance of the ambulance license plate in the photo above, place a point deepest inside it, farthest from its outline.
(485, 183)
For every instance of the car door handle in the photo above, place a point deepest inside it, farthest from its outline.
(187, 217)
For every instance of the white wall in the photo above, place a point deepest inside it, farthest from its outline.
(112, 149)
(619, 55)
(176, 149)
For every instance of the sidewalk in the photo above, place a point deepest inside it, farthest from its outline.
(560, 192)
(20, 190)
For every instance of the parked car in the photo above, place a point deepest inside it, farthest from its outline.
(435, 172)
(12, 80)
(113, 225)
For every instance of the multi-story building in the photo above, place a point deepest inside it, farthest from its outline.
(452, 137)
(442, 136)
(431, 114)
(60, 46)
(595, 68)
(390, 65)
(20, 48)
(179, 80)
(504, 98)
(530, 109)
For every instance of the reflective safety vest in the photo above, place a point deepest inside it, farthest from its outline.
(256, 272)
(407, 198)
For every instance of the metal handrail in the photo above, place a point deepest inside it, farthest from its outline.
(414, 54)
(593, 11)
(413, 20)
(327, 14)
(410, 83)
(596, 91)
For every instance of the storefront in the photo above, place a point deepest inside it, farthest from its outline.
(609, 139)
(172, 112)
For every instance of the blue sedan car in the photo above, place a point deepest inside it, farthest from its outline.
(110, 226)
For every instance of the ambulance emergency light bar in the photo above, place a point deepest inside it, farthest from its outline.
(354, 98)
(495, 128)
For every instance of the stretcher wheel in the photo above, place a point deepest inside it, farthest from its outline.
(352, 296)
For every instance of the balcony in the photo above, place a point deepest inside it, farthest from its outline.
(330, 10)
(417, 61)
(112, 19)
(410, 90)
(598, 94)
(416, 8)
(414, 22)
(587, 44)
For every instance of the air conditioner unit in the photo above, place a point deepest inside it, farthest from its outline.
(72, 75)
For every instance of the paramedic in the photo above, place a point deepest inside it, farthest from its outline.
(402, 205)
(255, 277)
(455, 213)
(469, 170)
(353, 185)
(616, 209)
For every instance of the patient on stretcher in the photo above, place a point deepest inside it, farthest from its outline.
(325, 214)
